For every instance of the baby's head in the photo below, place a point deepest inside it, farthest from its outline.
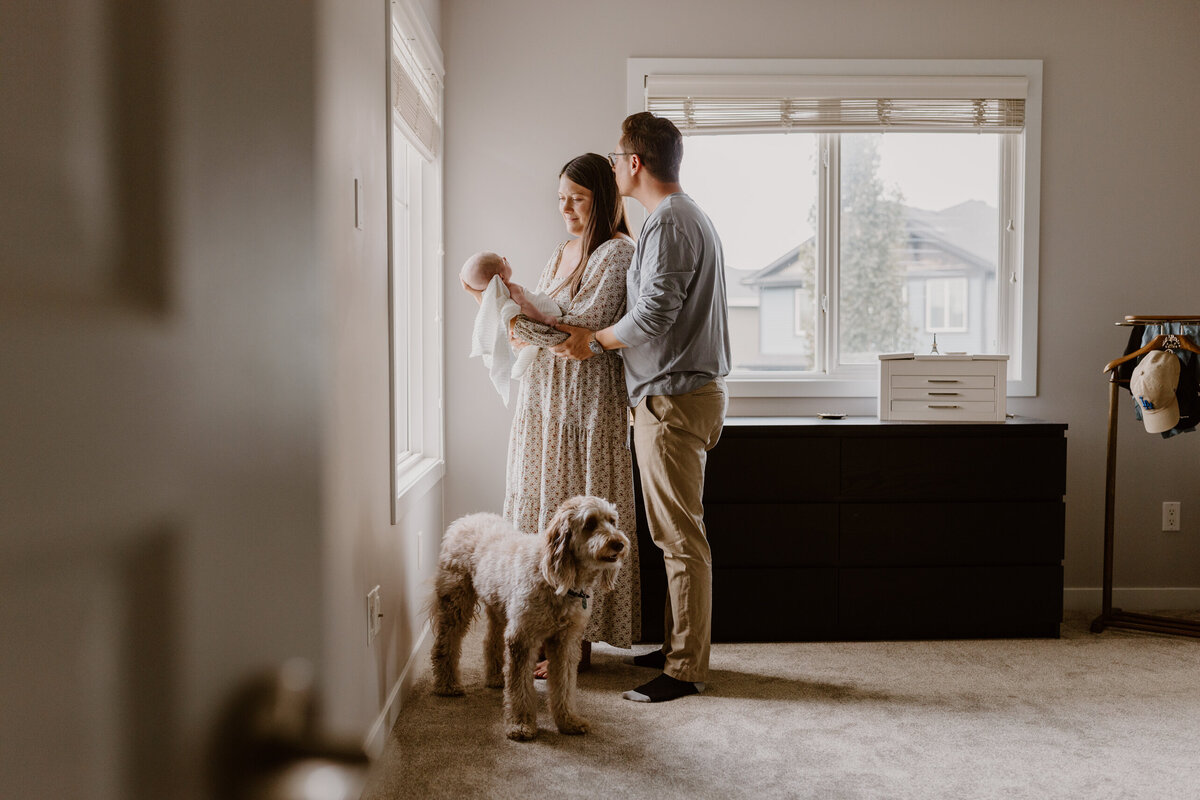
(478, 270)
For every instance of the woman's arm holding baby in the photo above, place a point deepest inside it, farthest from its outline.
(527, 331)
(531, 309)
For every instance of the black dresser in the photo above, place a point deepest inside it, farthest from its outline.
(861, 529)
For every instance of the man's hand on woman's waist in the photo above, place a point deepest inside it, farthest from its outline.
(578, 344)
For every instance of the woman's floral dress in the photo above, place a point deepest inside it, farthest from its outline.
(570, 429)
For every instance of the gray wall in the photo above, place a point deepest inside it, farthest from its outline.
(532, 83)
(362, 548)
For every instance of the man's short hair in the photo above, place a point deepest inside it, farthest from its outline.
(656, 141)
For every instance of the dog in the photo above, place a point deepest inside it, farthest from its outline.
(535, 589)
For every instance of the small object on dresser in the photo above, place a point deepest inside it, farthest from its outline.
(942, 388)
(831, 415)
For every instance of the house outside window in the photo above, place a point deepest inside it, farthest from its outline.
(946, 305)
(842, 203)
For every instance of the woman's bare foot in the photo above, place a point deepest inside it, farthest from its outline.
(585, 661)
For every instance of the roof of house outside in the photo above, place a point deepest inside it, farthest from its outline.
(783, 271)
(738, 292)
(962, 238)
(972, 228)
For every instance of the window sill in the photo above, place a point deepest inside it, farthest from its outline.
(819, 387)
(415, 476)
(802, 387)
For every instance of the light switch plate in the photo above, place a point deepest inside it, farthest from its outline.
(374, 614)
(358, 204)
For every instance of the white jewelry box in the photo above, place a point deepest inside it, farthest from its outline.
(942, 388)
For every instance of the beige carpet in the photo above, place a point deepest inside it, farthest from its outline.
(1115, 715)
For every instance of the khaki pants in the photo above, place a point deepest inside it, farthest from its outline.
(672, 436)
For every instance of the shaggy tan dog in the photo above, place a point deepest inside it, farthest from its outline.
(535, 589)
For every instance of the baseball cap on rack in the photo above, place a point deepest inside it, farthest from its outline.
(1153, 386)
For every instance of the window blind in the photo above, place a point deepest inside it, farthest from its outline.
(699, 104)
(416, 98)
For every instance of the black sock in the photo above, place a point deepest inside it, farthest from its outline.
(663, 688)
(655, 659)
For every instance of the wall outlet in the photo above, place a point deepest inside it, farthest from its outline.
(1170, 516)
(374, 614)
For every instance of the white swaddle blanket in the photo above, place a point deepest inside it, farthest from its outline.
(489, 339)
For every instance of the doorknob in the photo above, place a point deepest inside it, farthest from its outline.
(266, 745)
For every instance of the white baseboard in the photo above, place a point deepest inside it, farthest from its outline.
(1134, 599)
(399, 695)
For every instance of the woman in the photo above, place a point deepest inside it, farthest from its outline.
(570, 430)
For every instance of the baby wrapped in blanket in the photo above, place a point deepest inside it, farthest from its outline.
(502, 300)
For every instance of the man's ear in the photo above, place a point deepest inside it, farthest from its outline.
(635, 163)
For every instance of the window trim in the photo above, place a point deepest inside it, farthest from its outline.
(1013, 274)
(415, 303)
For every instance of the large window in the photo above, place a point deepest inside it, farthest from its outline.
(864, 207)
(414, 253)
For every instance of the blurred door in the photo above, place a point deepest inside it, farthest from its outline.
(89, 355)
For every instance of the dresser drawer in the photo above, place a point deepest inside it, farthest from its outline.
(771, 469)
(951, 534)
(943, 410)
(937, 382)
(947, 602)
(944, 394)
(772, 534)
(944, 468)
(771, 605)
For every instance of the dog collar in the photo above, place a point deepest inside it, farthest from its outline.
(581, 595)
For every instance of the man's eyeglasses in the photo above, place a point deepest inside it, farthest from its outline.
(612, 157)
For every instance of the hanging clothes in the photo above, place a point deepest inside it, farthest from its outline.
(1187, 393)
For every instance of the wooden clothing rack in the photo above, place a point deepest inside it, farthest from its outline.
(1114, 617)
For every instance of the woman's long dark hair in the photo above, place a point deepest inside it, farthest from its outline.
(594, 173)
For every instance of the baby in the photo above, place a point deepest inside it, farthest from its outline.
(500, 301)
(483, 267)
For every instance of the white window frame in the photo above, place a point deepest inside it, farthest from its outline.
(415, 264)
(953, 286)
(799, 310)
(1017, 267)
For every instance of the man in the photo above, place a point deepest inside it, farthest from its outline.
(674, 339)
